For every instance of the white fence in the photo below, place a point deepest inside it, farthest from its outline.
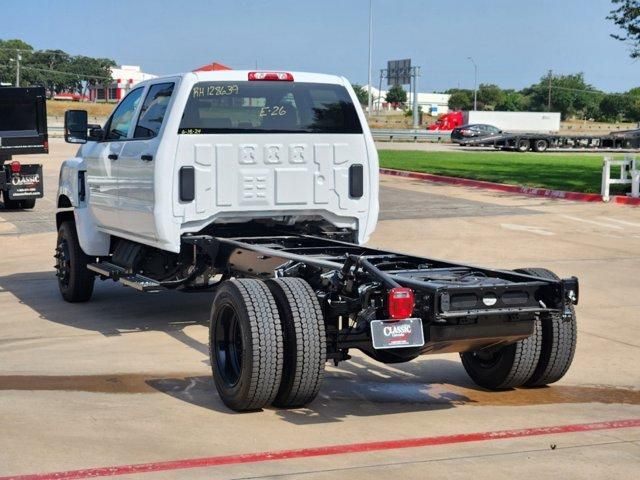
(629, 175)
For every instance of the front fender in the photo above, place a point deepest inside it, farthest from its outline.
(92, 241)
(68, 184)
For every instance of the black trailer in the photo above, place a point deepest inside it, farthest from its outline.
(287, 301)
(23, 131)
(541, 142)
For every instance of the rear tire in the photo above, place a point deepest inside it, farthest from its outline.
(245, 344)
(305, 344)
(75, 280)
(507, 367)
(540, 145)
(559, 336)
(522, 145)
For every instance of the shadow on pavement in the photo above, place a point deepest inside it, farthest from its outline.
(113, 309)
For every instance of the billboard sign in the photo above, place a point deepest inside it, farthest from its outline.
(399, 72)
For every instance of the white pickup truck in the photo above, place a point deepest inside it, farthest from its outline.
(262, 187)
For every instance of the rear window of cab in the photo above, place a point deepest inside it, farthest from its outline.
(269, 107)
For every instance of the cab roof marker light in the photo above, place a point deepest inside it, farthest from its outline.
(271, 76)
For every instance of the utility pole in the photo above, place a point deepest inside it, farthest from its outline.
(370, 100)
(415, 73)
(549, 97)
(18, 58)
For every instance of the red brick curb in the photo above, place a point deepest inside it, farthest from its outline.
(518, 189)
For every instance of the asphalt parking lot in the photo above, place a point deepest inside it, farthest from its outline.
(125, 379)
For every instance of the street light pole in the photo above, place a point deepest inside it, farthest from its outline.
(475, 84)
(370, 100)
(18, 58)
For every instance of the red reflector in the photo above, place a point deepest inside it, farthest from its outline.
(401, 301)
(15, 166)
(271, 76)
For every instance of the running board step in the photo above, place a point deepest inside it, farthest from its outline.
(119, 274)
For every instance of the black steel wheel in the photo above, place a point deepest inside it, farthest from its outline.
(245, 344)
(540, 145)
(506, 367)
(559, 338)
(75, 281)
(305, 343)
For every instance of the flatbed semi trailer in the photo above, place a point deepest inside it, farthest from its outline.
(541, 142)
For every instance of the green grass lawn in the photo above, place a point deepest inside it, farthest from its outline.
(571, 172)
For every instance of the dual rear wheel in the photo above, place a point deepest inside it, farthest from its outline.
(267, 343)
(540, 359)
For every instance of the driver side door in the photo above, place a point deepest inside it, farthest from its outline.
(102, 163)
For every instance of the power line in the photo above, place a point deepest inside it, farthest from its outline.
(71, 74)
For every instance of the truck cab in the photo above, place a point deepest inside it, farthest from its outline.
(181, 153)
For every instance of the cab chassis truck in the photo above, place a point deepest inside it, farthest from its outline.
(261, 189)
(23, 130)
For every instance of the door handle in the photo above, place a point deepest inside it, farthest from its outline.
(112, 156)
(147, 157)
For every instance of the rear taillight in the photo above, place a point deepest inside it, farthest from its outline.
(400, 303)
(271, 76)
(15, 166)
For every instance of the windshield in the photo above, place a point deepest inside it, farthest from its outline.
(269, 107)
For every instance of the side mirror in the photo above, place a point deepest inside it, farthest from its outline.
(75, 126)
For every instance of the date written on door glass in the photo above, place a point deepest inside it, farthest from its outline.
(275, 111)
(214, 90)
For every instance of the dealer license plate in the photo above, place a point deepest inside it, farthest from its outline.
(397, 333)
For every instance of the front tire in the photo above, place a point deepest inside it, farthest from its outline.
(507, 367)
(245, 344)
(305, 343)
(75, 280)
(559, 337)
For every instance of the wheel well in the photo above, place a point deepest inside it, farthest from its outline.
(63, 217)
(64, 202)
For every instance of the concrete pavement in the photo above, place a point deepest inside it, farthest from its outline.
(125, 378)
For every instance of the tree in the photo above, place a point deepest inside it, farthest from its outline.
(9, 50)
(489, 96)
(460, 99)
(612, 107)
(627, 17)
(632, 107)
(361, 93)
(570, 95)
(513, 101)
(396, 95)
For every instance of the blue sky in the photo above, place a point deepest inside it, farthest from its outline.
(514, 42)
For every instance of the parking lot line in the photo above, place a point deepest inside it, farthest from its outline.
(326, 451)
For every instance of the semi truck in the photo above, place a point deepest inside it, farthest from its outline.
(23, 130)
(545, 122)
(260, 188)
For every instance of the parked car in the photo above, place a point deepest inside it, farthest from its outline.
(465, 132)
